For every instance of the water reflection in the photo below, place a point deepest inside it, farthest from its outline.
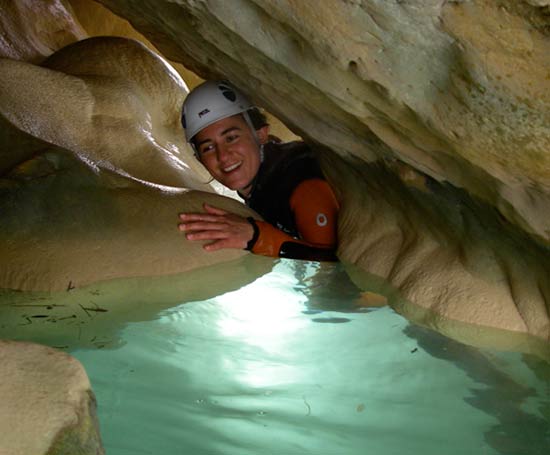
(520, 430)
(253, 371)
(264, 319)
(330, 287)
(93, 316)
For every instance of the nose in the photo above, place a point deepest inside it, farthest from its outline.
(223, 152)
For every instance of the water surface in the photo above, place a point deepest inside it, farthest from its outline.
(300, 362)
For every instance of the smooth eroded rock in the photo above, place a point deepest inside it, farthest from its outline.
(48, 406)
(458, 90)
(110, 101)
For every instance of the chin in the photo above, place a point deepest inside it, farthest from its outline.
(232, 187)
(236, 185)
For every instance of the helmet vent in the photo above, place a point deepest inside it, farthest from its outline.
(209, 102)
(228, 93)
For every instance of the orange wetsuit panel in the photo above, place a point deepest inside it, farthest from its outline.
(315, 210)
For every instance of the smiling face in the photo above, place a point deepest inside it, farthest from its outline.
(229, 151)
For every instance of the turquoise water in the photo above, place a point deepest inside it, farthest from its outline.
(283, 357)
(296, 362)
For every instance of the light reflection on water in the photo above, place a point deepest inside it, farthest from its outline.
(297, 363)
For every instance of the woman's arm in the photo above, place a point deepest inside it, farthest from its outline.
(315, 210)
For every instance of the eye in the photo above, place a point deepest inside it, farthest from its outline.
(205, 148)
(231, 138)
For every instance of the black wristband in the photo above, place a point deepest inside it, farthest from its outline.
(255, 236)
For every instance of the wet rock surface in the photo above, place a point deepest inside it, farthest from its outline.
(47, 403)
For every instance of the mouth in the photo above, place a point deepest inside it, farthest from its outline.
(232, 167)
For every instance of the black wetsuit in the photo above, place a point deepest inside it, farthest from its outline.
(284, 167)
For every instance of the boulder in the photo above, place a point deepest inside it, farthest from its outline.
(48, 406)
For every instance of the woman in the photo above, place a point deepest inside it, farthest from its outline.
(282, 182)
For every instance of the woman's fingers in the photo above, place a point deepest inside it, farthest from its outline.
(202, 226)
(224, 229)
(199, 217)
(213, 215)
(207, 235)
(214, 210)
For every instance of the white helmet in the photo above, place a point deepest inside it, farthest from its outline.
(209, 102)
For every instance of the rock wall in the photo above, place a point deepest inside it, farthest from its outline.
(460, 90)
(32, 30)
(94, 166)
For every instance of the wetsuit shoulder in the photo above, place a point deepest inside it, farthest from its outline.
(284, 167)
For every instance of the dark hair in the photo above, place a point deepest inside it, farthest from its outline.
(257, 118)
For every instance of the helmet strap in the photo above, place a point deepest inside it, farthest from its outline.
(195, 151)
(254, 135)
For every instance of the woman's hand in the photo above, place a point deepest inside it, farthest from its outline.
(225, 229)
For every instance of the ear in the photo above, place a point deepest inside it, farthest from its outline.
(263, 134)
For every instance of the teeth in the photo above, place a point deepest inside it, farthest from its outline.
(232, 167)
